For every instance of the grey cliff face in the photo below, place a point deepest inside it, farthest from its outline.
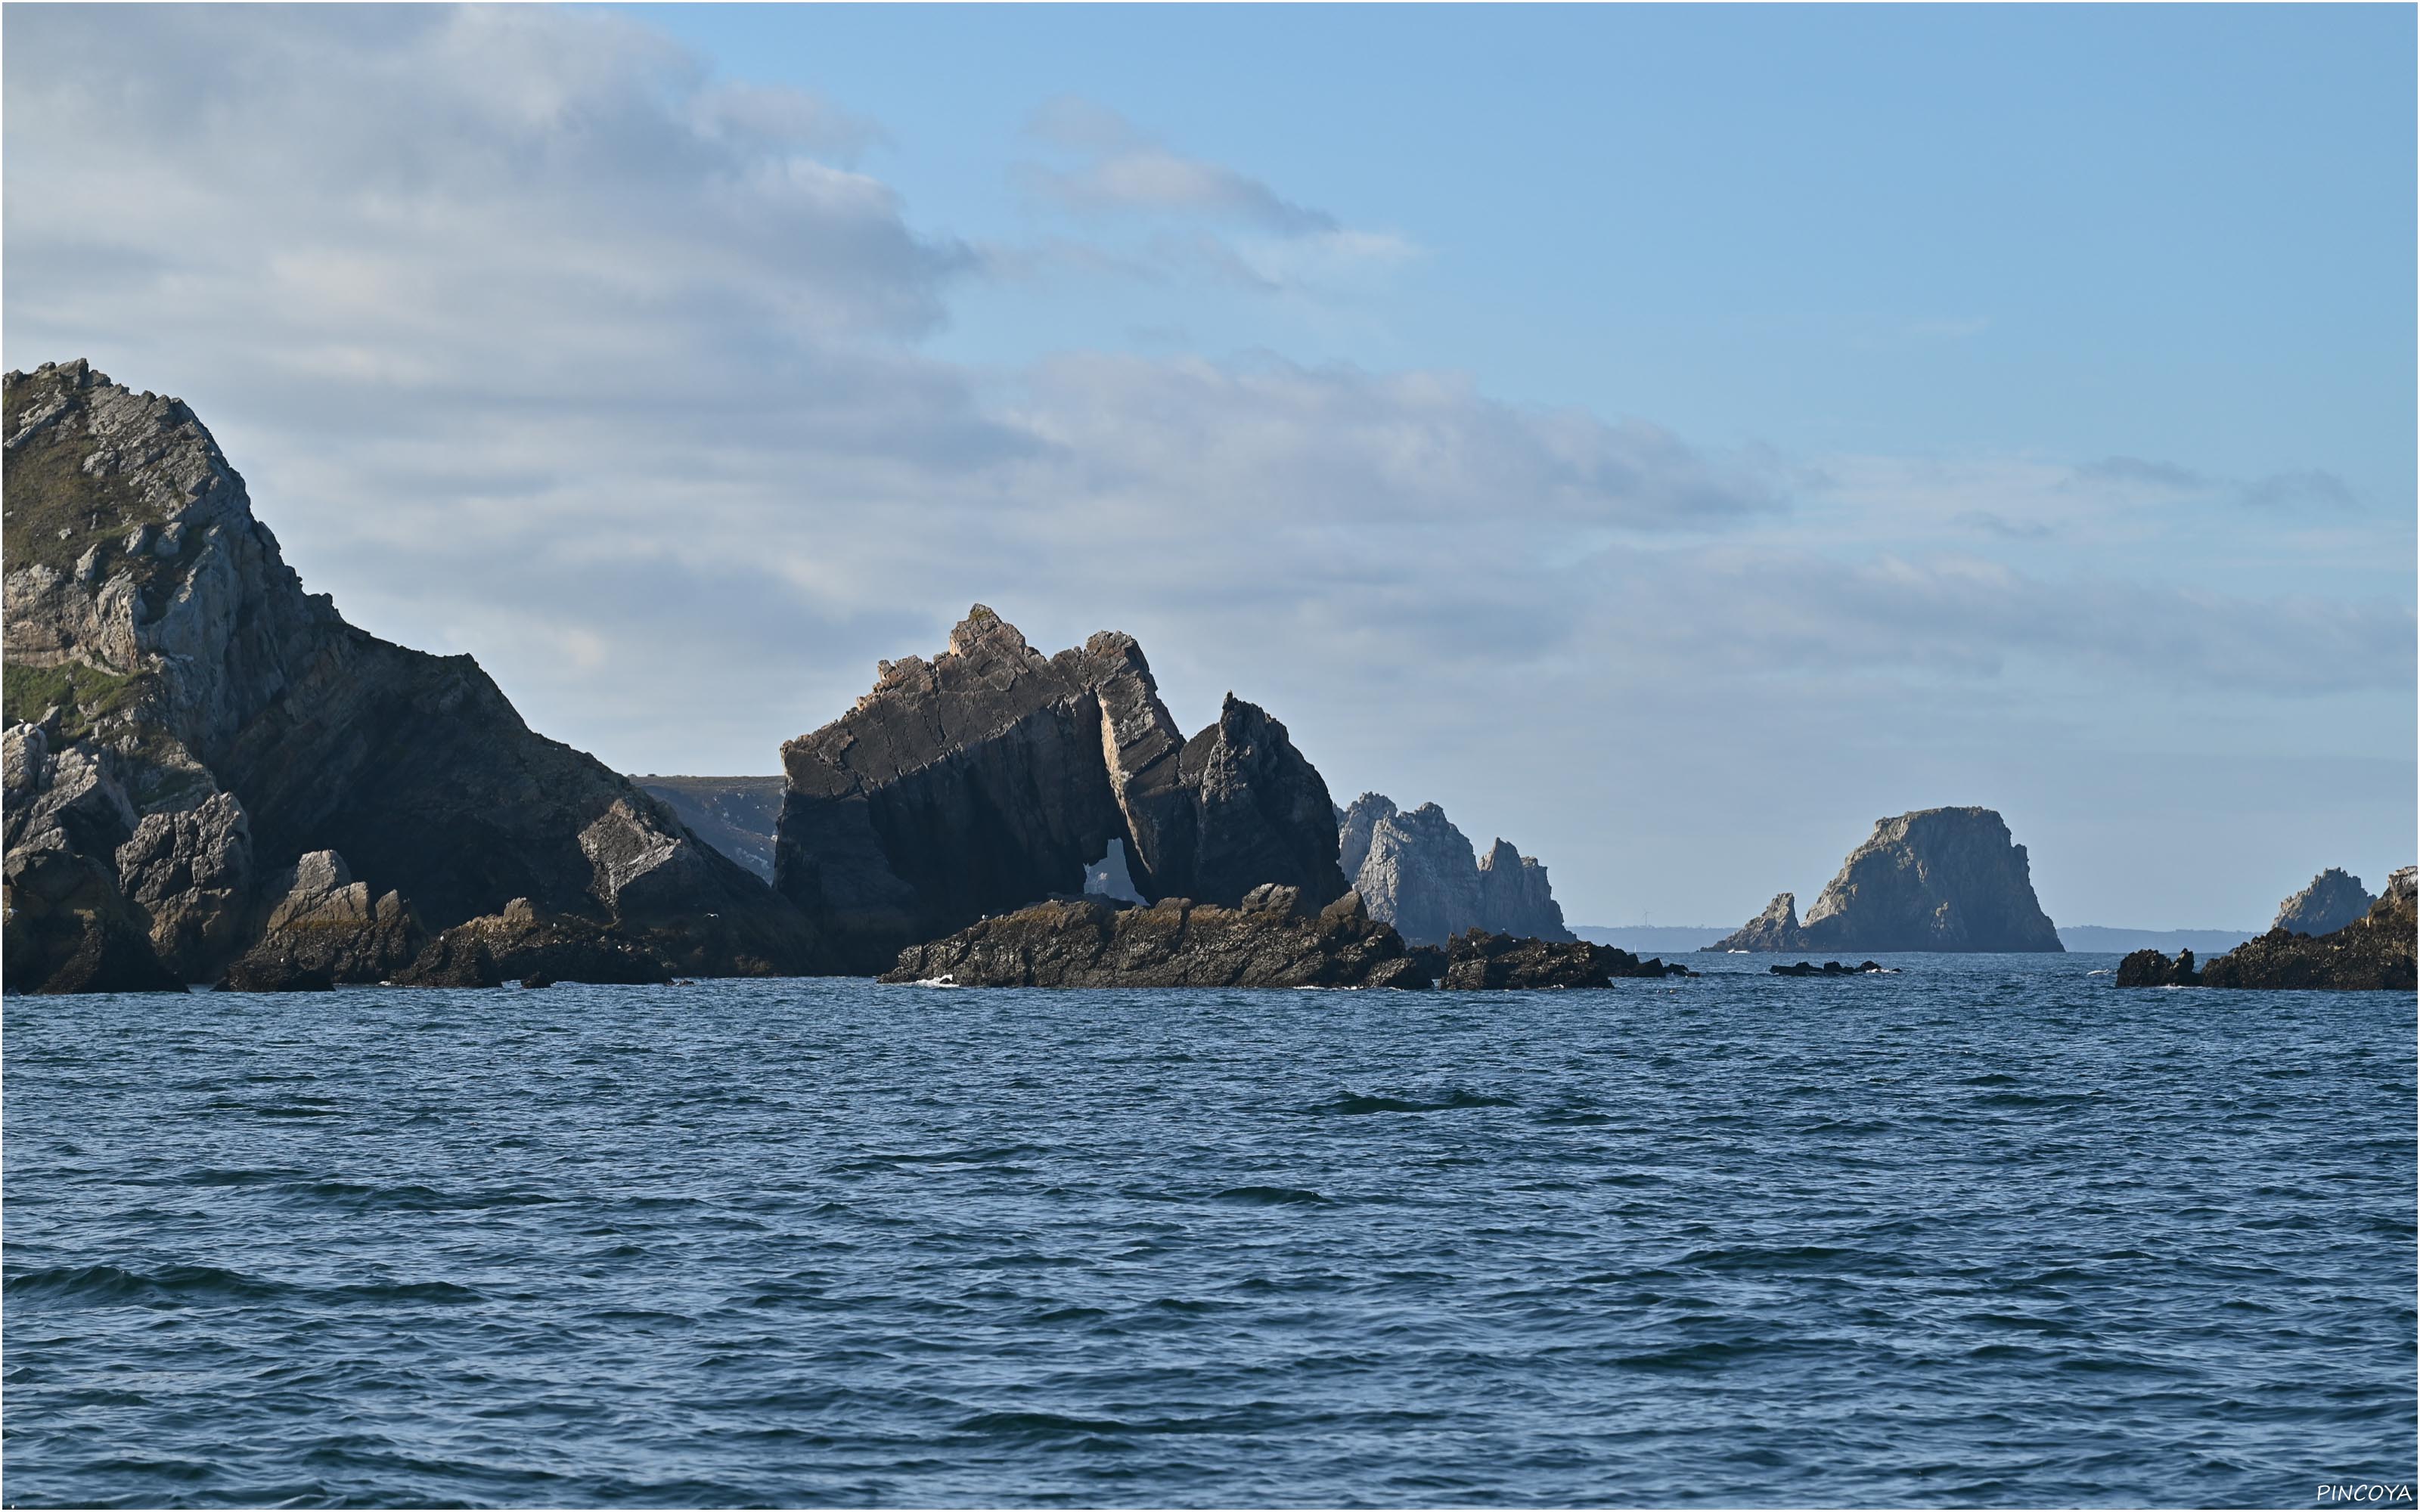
(992, 776)
(2335, 899)
(1937, 879)
(1416, 871)
(1420, 876)
(187, 724)
(1775, 929)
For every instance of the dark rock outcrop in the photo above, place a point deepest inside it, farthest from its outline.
(2149, 968)
(992, 774)
(1832, 968)
(2373, 953)
(736, 815)
(2335, 899)
(521, 944)
(188, 724)
(1478, 961)
(1417, 871)
(1937, 879)
(1272, 940)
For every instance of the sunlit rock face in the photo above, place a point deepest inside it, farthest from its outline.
(1937, 879)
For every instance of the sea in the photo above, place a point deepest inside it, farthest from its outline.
(1984, 1232)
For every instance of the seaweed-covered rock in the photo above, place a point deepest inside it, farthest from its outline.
(2149, 968)
(2374, 952)
(522, 944)
(1272, 940)
(1479, 962)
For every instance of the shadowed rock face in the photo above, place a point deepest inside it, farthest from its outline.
(1938, 879)
(1271, 939)
(192, 723)
(992, 776)
(733, 814)
(2335, 899)
(2373, 953)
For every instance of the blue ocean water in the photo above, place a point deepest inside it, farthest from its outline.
(1984, 1232)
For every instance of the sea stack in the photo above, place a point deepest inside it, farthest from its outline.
(991, 775)
(201, 757)
(1937, 879)
(2335, 899)
(1416, 871)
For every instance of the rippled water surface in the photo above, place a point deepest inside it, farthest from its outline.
(1984, 1232)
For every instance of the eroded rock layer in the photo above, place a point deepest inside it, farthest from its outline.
(993, 775)
(187, 725)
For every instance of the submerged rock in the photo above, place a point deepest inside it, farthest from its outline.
(991, 775)
(1273, 938)
(2335, 899)
(1937, 879)
(1478, 961)
(191, 723)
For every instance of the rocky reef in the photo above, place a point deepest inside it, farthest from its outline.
(992, 776)
(1937, 879)
(1416, 871)
(1477, 961)
(2335, 899)
(736, 815)
(2373, 953)
(1271, 938)
(206, 764)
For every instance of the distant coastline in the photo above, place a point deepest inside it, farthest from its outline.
(2087, 938)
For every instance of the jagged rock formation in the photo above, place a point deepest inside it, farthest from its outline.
(736, 815)
(992, 776)
(1271, 939)
(327, 929)
(1775, 929)
(2373, 953)
(1416, 871)
(2149, 968)
(1938, 879)
(2335, 899)
(187, 724)
(1478, 961)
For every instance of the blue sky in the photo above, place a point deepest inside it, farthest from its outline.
(1669, 438)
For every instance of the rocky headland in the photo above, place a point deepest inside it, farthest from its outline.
(1416, 871)
(992, 776)
(206, 764)
(2374, 952)
(2335, 899)
(1937, 879)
